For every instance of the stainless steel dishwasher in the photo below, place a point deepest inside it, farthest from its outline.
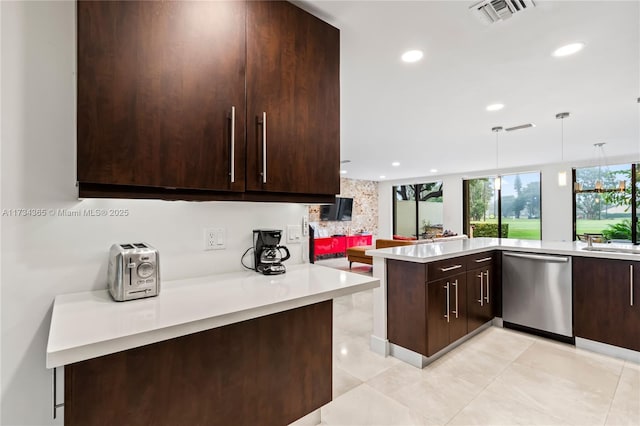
(536, 293)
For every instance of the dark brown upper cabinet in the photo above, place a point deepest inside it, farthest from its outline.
(158, 83)
(293, 100)
(163, 91)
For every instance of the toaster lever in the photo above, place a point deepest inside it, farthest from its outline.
(131, 265)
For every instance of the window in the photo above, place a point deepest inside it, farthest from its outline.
(417, 210)
(603, 203)
(481, 207)
(513, 211)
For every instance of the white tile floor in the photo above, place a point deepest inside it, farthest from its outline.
(500, 377)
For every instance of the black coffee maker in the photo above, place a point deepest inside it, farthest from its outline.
(268, 255)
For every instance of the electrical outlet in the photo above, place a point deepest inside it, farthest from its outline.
(305, 226)
(215, 239)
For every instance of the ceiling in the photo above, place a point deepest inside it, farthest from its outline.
(431, 114)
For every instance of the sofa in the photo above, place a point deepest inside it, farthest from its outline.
(357, 254)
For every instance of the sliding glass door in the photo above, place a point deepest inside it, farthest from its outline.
(520, 206)
(509, 208)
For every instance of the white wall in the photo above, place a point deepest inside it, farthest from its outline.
(41, 257)
(557, 219)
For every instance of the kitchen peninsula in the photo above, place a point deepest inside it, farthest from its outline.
(238, 348)
(434, 296)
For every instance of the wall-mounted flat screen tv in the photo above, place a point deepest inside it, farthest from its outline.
(329, 211)
(345, 208)
(341, 210)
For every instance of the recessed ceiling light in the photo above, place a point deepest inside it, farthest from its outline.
(395, 164)
(434, 170)
(568, 49)
(412, 56)
(495, 107)
(343, 171)
(382, 176)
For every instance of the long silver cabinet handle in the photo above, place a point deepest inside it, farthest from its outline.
(451, 268)
(559, 259)
(447, 302)
(481, 276)
(455, 284)
(630, 285)
(264, 147)
(486, 296)
(486, 259)
(233, 144)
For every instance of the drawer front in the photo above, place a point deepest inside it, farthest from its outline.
(480, 260)
(446, 268)
(358, 240)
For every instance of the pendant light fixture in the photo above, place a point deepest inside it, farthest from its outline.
(498, 182)
(622, 185)
(599, 186)
(562, 175)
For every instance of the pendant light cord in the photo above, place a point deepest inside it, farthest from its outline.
(562, 140)
(497, 151)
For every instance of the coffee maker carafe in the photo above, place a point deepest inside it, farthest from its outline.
(268, 255)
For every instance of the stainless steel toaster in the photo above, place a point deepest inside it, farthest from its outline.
(134, 271)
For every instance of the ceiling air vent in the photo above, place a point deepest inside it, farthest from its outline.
(490, 11)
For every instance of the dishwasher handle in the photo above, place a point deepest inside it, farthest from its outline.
(557, 259)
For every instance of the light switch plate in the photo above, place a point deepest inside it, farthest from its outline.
(294, 234)
(215, 239)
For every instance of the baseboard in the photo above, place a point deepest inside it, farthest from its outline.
(606, 349)
(421, 361)
(379, 345)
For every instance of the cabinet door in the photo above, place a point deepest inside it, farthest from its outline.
(438, 315)
(293, 100)
(358, 240)
(603, 307)
(157, 82)
(480, 296)
(406, 297)
(458, 307)
(476, 288)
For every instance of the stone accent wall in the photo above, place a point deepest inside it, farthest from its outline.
(365, 209)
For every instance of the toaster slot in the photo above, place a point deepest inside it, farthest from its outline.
(139, 245)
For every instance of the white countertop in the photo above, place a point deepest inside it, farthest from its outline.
(90, 324)
(423, 253)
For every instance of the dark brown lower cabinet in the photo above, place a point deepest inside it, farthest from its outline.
(480, 296)
(266, 371)
(606, 304)
(430, 306)
(446, 312)
(407, 305)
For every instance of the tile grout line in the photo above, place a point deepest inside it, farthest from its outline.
(615, 393)
(484, 388)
